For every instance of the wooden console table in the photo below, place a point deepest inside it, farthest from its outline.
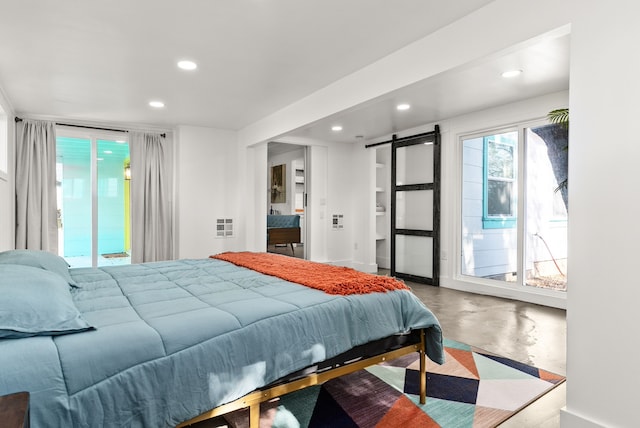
(283, 235)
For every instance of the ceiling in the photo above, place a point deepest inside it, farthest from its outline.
(102, 62)
(545, 70)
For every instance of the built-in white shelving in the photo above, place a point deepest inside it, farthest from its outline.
(382, 197)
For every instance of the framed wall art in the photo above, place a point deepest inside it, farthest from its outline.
(279, 184)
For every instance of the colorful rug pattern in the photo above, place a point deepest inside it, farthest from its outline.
(473, 388)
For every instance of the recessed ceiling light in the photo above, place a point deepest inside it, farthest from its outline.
(120, 141)
(156, 104)
(511, 73)
(107, 152)
(403, 106)
(187, 65)
(336, 128)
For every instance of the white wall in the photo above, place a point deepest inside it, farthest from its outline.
(604, 232)
(252, 179)
(208, 183)
(7, 192)
(344, 183)
(317, 213)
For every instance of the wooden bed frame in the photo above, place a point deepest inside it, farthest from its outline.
(343, 364)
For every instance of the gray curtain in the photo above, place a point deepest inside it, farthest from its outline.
(151, 206)
(36, 207)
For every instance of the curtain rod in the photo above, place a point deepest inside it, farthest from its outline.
(19, 119)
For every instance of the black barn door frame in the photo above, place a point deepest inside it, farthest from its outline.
(429, 137)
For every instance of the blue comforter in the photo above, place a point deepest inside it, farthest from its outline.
(174, 339)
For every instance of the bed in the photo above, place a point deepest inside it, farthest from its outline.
(162, 344)
(283, 229)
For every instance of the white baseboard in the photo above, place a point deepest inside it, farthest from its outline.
(365, 267)
(383, 262)
(571, 420)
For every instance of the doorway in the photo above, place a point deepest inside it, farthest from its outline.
(287, 199)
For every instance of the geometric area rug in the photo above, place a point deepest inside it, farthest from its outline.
(474, 388)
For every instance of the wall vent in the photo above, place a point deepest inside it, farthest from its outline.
(224, 228)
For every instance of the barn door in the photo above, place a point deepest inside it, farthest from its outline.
(415, 207)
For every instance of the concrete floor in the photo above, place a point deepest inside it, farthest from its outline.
(525, 332)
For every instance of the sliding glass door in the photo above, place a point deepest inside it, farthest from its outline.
(515, 205)
(93, 199)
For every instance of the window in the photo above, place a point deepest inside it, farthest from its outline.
(499, 178)
(489, 206)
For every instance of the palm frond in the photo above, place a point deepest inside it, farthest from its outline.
(560, 116)
(564, 184)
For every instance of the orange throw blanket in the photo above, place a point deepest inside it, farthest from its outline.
(330, 279)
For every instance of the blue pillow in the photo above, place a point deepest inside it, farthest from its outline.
(36, 302)
(40, 259)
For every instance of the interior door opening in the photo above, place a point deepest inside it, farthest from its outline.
(287, 199)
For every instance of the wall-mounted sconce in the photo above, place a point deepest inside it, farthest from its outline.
(127, 172)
